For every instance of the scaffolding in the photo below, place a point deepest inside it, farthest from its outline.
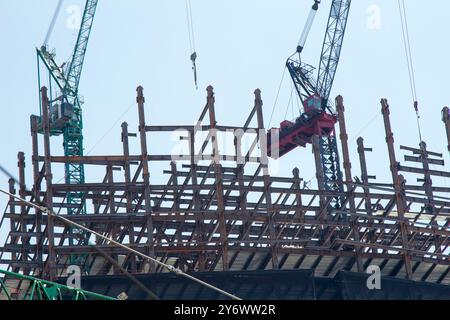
(224, 211)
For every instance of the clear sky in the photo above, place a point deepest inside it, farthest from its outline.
(241, 45)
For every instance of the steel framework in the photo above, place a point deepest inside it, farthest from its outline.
(223, 210)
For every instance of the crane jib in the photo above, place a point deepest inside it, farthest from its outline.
(65, 113)
(317, 91)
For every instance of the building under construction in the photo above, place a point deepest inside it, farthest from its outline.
(221, 216)
(229, 221)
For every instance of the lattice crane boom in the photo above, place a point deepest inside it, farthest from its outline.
(329, 60)
(65, 109)
(332, 45)
(314, 93)
(76, 63)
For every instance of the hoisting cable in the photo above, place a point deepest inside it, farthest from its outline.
(69, 222)
(299, 103)
(52, 23)
(308, 24)
(289, 104)
(190, 27)
(6, 172)
(409, 61)
(277, 96)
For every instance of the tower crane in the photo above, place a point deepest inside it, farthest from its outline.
(319, 117)
(65, 112)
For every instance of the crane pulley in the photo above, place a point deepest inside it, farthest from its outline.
(194, 67)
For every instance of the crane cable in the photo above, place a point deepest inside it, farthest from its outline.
(277, 96)
(118, 244)
(409, 60)
(289, 104)
(190, 28)
(52, 23)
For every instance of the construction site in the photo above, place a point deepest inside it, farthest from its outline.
(208, 216)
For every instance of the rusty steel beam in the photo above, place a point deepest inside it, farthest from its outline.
(266, 177)
(145, 175)
(397, 180)
(219, 181)
(215, 215)
(37, 176)
(348, 174)
(49, 185)
(446, 120)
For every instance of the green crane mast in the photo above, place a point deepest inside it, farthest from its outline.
(65, 110)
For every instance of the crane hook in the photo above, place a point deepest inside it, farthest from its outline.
(194, 67)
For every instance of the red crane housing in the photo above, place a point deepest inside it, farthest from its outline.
(314, 121)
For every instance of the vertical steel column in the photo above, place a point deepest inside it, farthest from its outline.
(146, 176)
(363, 165)
(398, 186)
(49, 186)
(112, 210)
(219, 178)
(110, 178)
(298, 197)
(176, 207)
(37, 190)
(21, 166)
(240, 173)
(446, 120)
(365, 181)
(319, 170)
(428, 182)
(240, 163)
(266, 178)
(201, 262)
(127, 172)
(23, 208)
(129, 196)
(242, 198)
(176, 196)
(12, 211)
(344, 143)
(428, 185)
(348, 177)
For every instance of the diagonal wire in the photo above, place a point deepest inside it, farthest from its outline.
(189, 25)
(192, 24)
(289, 104)
(109, 130)
(406, 48)
(104, 135)
(52, 23)
(366, 126)
(278, 94)
(118, 244)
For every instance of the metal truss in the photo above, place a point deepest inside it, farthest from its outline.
(15, 286)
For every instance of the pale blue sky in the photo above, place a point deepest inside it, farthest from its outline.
(242, 45)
